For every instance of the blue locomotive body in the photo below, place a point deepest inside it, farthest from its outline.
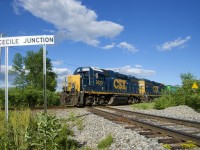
(101, 80)
(90, 85)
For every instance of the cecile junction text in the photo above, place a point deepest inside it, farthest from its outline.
(26, 40)
(22, 41)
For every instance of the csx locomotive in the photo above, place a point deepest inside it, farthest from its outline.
(89, 85)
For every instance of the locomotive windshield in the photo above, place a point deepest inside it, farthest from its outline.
(81, 69)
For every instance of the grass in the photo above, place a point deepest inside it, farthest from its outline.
(189, 145)
(144, 106)
(76, 121)
(19, 121)
(13, 133)
(106, 142)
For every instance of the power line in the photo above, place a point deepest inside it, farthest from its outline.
(69, 64)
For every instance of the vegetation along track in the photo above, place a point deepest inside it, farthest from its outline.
(168, 130)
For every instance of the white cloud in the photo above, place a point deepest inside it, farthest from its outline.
(62, 71)
(129, 47)
(62, 74)
(179, 42)
(138, 66)
(16, 6)
(109, 46)
(49, 30)
(2, 77)
(138, 72)
(124, 45)
(57, 62)
(73, 20)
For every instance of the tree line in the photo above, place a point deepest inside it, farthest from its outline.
(28, 81)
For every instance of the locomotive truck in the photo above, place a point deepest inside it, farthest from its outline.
(90, 85)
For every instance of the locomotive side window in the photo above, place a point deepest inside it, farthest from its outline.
(101, 76)
(97, 75)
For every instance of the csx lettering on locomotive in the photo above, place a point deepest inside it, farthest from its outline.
(99, 82)
(120, 84)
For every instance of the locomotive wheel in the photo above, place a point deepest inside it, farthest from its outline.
(101, 102)
(130, 101)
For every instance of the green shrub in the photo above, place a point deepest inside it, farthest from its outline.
(180, 97)
(41, 131)
(106, 142)
(16, 98)
(144, 105)
(28, 97)
(43, 134)
(53, 98)
(2, 98)
(194, 101)
(164, 102)
(183, 95)
(47, 132)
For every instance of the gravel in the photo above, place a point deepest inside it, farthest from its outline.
(96, 128)
(179, 112)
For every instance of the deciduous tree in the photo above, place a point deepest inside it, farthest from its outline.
(18, 70)
(29, 71)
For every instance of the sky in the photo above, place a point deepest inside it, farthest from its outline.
(156, 40)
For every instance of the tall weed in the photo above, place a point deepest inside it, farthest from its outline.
(19, 123)
(47, 132)
(106, 142)
(13, 133)
(24, 131)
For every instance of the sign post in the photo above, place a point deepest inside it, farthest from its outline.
(44, 78)
(6, 83)
(22, 41)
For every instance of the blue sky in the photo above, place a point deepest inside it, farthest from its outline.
(156, 40)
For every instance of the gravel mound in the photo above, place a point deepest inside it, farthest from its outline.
(179, 112)
(96, 128)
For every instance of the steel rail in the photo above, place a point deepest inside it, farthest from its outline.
(182, 136)
(174, 120)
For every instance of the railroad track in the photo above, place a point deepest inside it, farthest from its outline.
(174, 132)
